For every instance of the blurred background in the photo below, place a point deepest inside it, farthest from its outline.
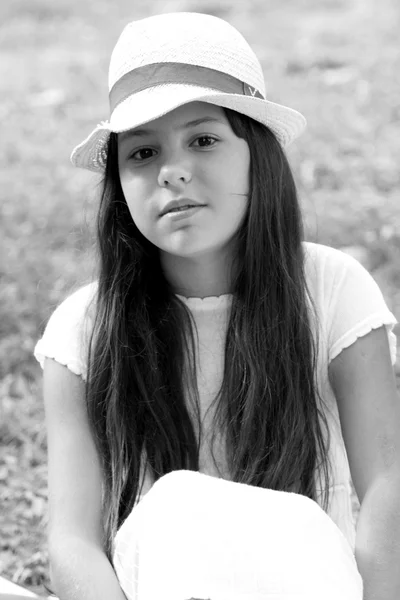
(337, 61)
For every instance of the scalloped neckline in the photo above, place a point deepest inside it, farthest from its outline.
(207, 301)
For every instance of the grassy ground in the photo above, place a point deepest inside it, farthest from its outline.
(337, 61)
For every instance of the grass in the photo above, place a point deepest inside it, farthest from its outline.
(336, 61)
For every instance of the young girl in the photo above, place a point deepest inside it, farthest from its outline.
(214, 339)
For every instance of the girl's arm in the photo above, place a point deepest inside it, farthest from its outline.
(79, 567)
(363, 381)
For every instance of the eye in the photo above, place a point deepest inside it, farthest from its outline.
(143, 154)
(204, 141)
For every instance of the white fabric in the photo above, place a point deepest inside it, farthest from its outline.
(198, 537)
(8, 587)
(349, 304)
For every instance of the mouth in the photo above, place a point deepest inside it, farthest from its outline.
(180, 206)
(183, 208)
(176, 214)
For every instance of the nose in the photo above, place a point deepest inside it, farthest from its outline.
(174, 174)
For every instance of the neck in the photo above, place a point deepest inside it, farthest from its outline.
(198, 277)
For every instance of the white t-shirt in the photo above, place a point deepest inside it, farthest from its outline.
(349, 304)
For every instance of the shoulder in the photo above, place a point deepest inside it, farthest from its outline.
(79, 301)
(75, 313)
(67, 333)
(77, 309)
(348, 300)
(320, 257)
(324, 267)
(328, 270)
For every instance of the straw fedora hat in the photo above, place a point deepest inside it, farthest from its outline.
(196, 537)
(162, 62)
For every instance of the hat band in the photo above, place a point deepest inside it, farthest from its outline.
(157, 74)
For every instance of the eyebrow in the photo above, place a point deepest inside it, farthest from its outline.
(187, 125)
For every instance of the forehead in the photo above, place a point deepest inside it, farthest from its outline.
(183, 117)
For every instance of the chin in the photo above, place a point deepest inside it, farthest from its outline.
(188, 253)
(186, 248)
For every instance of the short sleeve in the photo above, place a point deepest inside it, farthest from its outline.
(66, 336)
(355, 305)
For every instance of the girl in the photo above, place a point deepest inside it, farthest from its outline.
(214, 339)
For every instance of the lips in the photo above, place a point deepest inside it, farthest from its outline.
(178, 204)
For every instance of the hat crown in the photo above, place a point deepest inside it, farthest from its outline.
(190, 38)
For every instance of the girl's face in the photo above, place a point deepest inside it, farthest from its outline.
(192, 156)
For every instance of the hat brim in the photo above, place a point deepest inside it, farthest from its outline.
(152, 103)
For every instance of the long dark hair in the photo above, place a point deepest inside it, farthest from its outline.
(142, 348)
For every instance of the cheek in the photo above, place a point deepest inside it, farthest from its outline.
(241, 170)
(234, 174)
(137, 192)
(239, 182)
